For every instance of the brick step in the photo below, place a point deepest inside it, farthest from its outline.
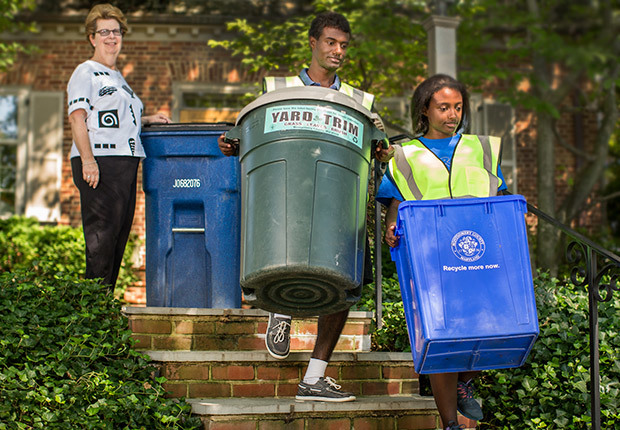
(194, 329)
(257, 374)
(367, 412)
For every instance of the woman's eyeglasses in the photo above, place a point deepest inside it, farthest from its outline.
(105, 32)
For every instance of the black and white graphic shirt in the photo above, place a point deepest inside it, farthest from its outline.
(113, 110)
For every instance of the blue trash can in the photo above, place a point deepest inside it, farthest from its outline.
(466, 282)
(192, 217)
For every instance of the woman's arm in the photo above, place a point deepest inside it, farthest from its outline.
(79, 130)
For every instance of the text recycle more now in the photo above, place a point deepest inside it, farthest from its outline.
(463, 268)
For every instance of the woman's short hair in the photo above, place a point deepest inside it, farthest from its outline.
(422, 97)
(104, 11)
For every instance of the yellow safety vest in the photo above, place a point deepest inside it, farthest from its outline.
(420, 175)
(273, 83)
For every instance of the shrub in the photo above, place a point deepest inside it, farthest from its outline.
(551, 391)
(26, 244)
(393, 335)
(67, 361)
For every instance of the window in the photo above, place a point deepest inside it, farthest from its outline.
(12, 143)
(497, 119)
(31, 125)
(195, 102)
(8, 153)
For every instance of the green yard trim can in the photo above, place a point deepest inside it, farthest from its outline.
(305, 162)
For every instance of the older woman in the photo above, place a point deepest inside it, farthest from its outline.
(105, 116)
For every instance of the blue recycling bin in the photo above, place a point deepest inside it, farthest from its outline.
(466, 282)
(192, 194)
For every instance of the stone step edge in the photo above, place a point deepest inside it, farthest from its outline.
(263, 356)
(273, 406)
(153, 310)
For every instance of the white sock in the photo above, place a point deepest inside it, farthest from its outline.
(283, 317)
(316, 369)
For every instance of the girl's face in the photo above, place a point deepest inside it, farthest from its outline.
(444, 113)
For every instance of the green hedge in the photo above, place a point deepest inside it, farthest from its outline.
(551, 391)
(26, 244)
(67, 361)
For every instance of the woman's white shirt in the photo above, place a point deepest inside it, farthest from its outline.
(113, 110)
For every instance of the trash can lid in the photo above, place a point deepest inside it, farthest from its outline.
(189, 126)
(304, 93)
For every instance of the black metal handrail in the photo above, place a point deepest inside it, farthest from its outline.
(584, 255)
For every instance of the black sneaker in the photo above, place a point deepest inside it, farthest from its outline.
(325, 390)
(465, 402)
(278, 337)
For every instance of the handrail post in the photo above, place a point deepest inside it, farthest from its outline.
(595, 383)
(378, 271)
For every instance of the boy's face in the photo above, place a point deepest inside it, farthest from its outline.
(330, 49)
(444, 113)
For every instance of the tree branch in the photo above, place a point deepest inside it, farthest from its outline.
(571, 148)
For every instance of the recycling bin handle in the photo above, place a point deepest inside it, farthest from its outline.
(394, 251)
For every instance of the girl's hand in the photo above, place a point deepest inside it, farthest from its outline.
(390, 238)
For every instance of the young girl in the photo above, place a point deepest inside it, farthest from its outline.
(442, 163)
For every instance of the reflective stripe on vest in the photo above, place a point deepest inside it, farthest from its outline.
(420, 175)
(271, 83)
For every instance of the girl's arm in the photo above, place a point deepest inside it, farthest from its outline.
(390, 223)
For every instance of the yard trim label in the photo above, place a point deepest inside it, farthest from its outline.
(314, 118)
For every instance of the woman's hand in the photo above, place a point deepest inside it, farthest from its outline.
(158, 118)
(90, 173)
(390, 238)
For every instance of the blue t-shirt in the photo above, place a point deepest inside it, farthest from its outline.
(444, 150)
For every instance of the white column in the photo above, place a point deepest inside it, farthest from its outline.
(441, 44)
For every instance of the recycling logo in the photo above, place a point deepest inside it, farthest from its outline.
(468, 246)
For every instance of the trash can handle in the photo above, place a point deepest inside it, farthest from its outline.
(233, 134)
(232, 137)
(378, 135)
